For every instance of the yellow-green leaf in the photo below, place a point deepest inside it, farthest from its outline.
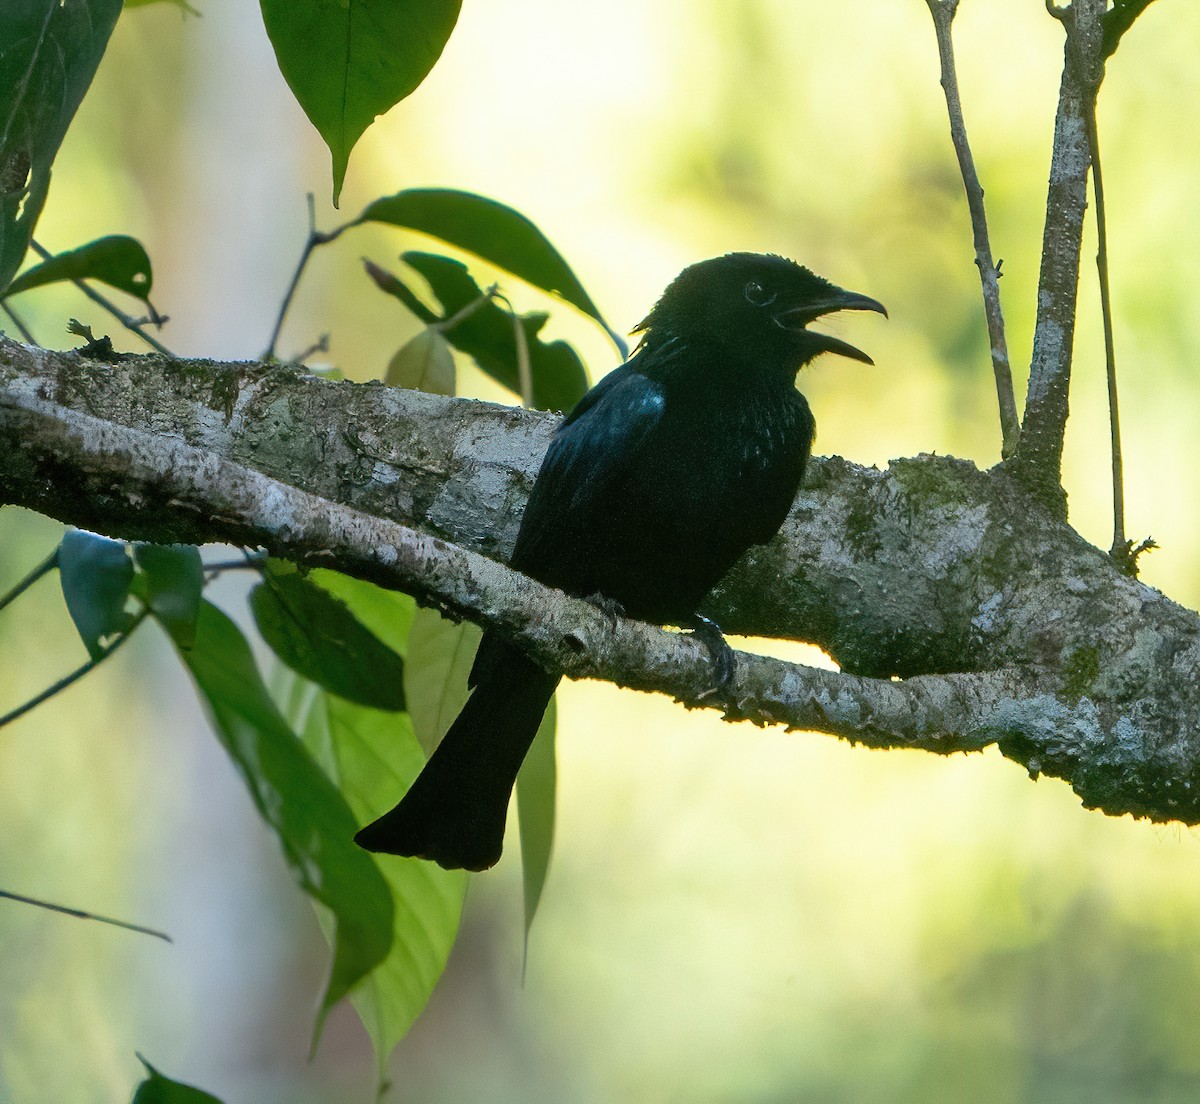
(425, 363)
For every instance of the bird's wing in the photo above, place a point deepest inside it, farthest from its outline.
(589, 452)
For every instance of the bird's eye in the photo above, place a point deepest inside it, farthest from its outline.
(758, 296)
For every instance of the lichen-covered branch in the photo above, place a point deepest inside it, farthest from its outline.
(1038, 459)
(961, 615)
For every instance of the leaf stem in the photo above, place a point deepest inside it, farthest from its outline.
(521, 345)
(463, 313)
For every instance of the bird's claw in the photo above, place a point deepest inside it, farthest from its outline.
(724, 659)
(606, 605)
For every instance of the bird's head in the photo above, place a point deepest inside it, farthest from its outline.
(755, 307)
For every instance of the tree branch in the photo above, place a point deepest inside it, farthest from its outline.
(1005, 625)
(1038, 459)
(943, 12)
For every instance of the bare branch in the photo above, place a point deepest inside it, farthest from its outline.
(1038, 459)
(943, 12)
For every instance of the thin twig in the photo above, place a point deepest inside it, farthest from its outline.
(1119, 544)
(521, 344)
(321, 345)
(74, 676)
(524, 369)
(126, 320)
(45, 567)
(315, 238)
(213, 571)
(943, 12)
(22, 329)
(463, 313)
(250, 561)
(80, 914)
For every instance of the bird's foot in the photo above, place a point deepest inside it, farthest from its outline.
(608, 606)
(724, 659)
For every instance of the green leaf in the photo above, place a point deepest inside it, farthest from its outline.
(536, 786)
(373, 757)
(486, 335)
(95, 574)
(49, 51)
(347, 61)
(296, 798)
(387, 614)
(157, 1089)
(118, 261)
(440, 654)
(170, 581)
(317, 636)
(423, 364)
(496, 233)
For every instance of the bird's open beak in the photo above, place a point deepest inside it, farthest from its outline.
(798, 318)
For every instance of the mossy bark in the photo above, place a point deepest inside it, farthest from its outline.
(961, 613)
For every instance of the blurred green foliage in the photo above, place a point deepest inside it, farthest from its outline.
(732, 914)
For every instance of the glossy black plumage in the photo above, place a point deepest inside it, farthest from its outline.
(662, 475)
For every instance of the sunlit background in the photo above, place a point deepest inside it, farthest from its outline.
(733, 914)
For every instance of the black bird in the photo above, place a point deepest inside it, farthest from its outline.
(660, 478)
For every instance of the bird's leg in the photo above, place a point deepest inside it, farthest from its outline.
(708, 632)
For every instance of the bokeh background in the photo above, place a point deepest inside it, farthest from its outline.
(733, 914)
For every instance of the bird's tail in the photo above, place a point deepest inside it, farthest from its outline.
(454, 812)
